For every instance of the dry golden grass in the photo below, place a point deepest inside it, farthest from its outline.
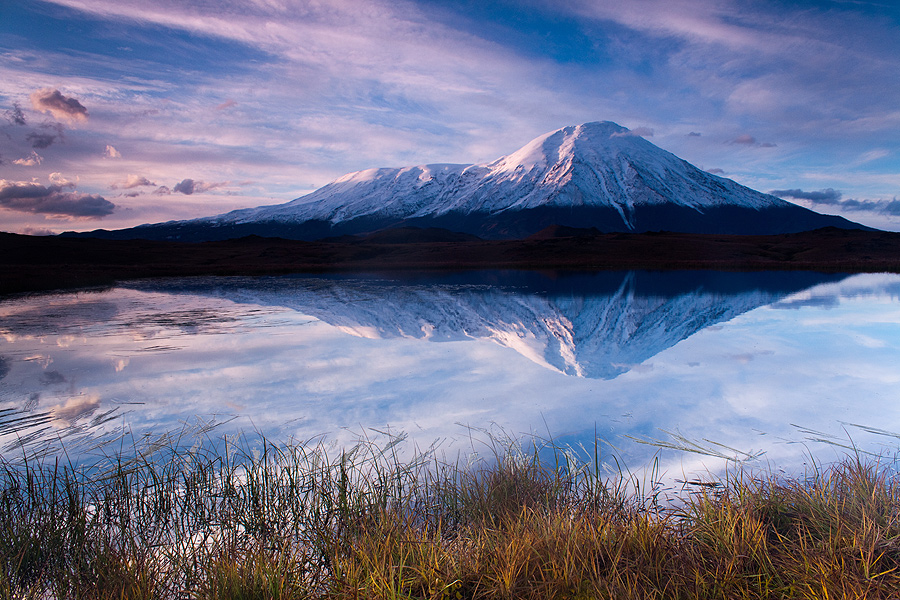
(293, 521)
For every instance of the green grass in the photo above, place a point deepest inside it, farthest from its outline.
(226, 519)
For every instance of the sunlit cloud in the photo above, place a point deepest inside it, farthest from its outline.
(52, 101)
(111, 152)
(38, 231)
(58, 179)
(132, 181)
(32, 160)
(73, 409)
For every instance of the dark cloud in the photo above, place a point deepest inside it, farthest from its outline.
(716, 171)
(15, 115)
(189, 186)
(694, 134)
(61, 107)
(163, 190)
(185, 186)
(832, 197)
(40, 140)
(24, 196)
(52, 378)
(892, 207)
(879, 206)
(826, 196)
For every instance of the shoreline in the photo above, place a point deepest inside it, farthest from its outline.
(34, 264)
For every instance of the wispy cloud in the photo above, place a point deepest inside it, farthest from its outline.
(830, 197)
(749, 140)
(885, 207)
(15, 115)
(826, 196)
(872, 155)
(636, 132)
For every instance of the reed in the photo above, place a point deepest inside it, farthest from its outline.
(241, 518)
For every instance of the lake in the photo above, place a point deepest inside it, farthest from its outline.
(771, 368)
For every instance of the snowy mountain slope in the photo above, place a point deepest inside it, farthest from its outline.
(594, 164)
(592, 175)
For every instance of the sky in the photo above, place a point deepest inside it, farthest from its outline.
(115, 113)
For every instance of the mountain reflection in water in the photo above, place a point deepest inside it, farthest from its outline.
(735, 358)
(594, 325)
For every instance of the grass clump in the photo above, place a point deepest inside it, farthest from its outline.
(231, 520)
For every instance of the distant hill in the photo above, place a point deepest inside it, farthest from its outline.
(595, 175)
(30, 263)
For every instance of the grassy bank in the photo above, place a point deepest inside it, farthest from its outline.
(230, 520)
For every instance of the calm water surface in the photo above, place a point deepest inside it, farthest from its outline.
(777, 366)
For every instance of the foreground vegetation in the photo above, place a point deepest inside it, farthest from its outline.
(240, 520)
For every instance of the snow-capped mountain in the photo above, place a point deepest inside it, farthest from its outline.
(595, 164)
(596, 326)
(592, 175)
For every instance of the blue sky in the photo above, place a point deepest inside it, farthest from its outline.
(120, 112)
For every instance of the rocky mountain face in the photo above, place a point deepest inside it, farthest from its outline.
(591, 175)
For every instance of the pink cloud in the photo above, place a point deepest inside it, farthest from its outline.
(52, 101)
